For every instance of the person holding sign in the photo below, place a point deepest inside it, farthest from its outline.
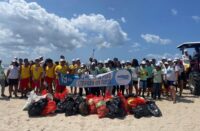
(61, 68)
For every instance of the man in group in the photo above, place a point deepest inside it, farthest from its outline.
(49, 75)
(24, 78)
(36, 74)
(61, 68)
(143, 78)
(73, 70)
(2, 79)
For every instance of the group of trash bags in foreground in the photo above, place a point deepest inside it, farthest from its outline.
(105, 107)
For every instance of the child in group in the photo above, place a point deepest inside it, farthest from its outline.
(24, 78)
(36, 75)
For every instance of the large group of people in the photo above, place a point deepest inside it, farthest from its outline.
(150, 78)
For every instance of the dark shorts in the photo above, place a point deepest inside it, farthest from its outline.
(171, 83)
(12, 82)
(135, 82)
(149, 82)
(182, 77)
(143, 84)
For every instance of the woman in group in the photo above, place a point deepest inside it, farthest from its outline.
(143, 78)
(157, 81)
(13, 77)
(135, 73)
(172, 77)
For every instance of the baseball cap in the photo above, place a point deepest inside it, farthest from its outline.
(61, 60)
(143, 62)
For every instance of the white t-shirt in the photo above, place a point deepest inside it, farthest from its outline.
(14, 72)
(179, 69)
(134, 71)
(171, 73)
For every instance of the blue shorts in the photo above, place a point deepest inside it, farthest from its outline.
(171, 83)
(143, 84)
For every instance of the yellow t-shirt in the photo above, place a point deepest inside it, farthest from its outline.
(50, 71)
(36, 71)
(72, 69)
(61, 69)
(25, 72)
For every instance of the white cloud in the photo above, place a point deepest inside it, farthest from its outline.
(174, 12)
(155, 39)
(29, 28)
(123, 20)
(196, 18)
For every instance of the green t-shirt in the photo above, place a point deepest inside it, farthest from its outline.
(102, 70)
(150, 71)
(157, 76)
(143, 73)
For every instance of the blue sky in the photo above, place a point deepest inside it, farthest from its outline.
(153, 27)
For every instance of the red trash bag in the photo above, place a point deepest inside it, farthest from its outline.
(91, 104)
(108, 96)
(124, 104)
(133, 102)
(49, 108)
(44, 92)
(61, 96)
(102, 111)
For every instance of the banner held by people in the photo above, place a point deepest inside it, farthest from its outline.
(119, 77)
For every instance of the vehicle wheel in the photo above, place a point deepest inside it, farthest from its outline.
(194, 81)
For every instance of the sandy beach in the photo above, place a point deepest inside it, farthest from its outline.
(182, 116)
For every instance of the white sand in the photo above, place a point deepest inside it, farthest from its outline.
(183, 116)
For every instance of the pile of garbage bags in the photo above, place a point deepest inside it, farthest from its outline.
(108, 106)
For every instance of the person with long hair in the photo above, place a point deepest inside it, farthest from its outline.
(135, 76)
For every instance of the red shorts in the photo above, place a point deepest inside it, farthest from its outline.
(24, 83)
(49, 80)
(36, 83)
(59, 88)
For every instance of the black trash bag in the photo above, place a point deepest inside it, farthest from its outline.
(72, 104)
(115, 109)
(61, 107)
(141, 111)
(36, 108)
(153, 108)
(129, 95)
(84, 108)
(78, 100)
